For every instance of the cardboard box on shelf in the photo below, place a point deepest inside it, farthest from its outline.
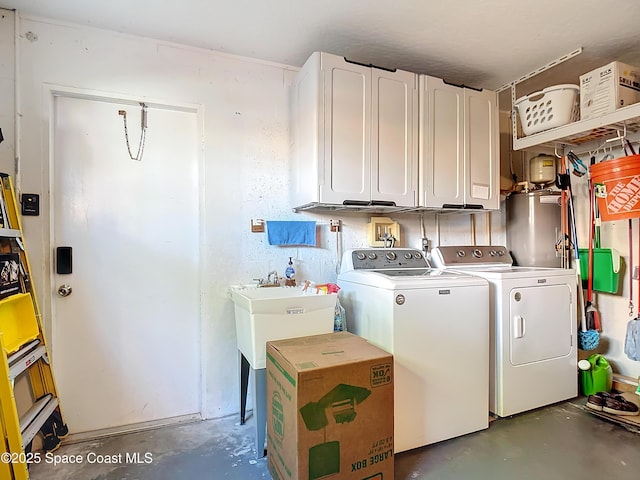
(608, 88)
(329, 408)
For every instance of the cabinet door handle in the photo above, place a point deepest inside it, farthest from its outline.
(369, 65)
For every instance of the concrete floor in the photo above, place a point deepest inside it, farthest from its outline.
(560, 442)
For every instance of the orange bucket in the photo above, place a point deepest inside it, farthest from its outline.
(616, 185)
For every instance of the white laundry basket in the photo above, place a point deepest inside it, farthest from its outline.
(549, 108)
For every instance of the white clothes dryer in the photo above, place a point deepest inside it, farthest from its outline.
(533, 327)
(436, 325)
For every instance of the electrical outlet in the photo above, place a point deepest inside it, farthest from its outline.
(334, 225)
(380, 230)
(635, 272)
(257, 226)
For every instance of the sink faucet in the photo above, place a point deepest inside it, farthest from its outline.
(272, 277)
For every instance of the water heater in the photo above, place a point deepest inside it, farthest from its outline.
(534, 227)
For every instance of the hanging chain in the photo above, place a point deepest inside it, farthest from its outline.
(143, 133)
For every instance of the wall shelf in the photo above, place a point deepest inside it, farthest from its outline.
(583, 131)
(625, 119)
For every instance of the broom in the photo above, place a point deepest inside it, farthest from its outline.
(587, 339)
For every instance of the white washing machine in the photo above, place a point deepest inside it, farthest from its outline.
(533, 327)
(436, 325)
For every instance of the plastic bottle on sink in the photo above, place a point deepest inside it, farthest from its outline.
(290, 274)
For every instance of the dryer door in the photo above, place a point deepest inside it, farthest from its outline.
(540, 320)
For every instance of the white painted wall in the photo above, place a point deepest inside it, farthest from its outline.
(7, 90)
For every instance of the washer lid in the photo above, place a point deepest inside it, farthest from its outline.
(410, 278)
(500, 273)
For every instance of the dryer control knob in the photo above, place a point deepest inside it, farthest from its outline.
(461, 253)
(407, 256)
(360, 256)
(417, 255)
(390, 255)
(493, 253)
(372, 256)
(477, 253)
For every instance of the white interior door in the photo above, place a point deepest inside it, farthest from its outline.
(126, 341)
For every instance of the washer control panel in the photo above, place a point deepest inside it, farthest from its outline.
(452, 256)
(383, 258)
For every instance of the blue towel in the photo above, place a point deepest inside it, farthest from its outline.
(291, 233)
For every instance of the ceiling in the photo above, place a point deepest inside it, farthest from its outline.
(481, 43)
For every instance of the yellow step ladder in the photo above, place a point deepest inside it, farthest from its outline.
(23, 350)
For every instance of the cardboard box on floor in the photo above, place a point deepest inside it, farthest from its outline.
(329, 408)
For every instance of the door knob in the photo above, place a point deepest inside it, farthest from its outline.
(64, 290)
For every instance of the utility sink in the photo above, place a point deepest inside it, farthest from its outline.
(265, 314)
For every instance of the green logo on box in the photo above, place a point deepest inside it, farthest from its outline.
(277, 415)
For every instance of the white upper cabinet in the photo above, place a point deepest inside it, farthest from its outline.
(346, 111)
(459, 161)
(394, 142)
(354, 134)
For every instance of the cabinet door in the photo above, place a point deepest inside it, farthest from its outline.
(394, 109)
(307, 133)
(347, 131)
(482, 159)
(441, 149)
